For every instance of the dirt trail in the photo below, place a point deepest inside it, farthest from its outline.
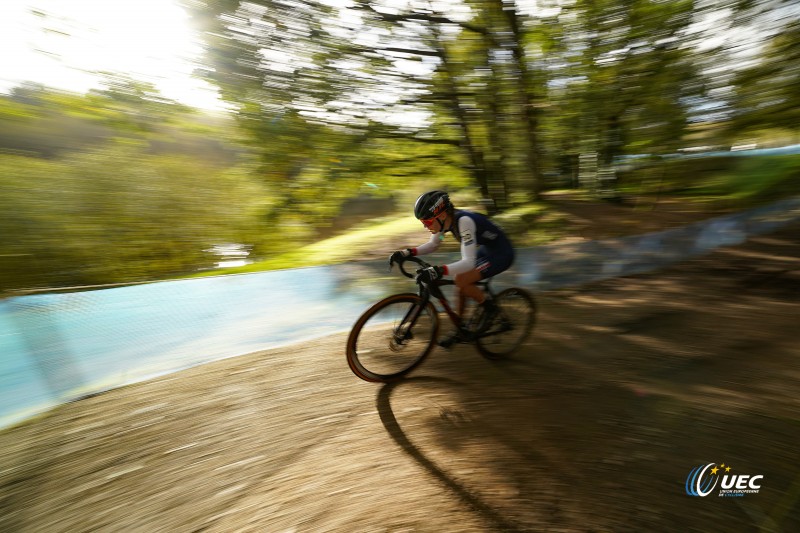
(639, 214)
(625, 387)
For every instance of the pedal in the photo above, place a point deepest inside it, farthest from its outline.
(449, 342)
(456, 338)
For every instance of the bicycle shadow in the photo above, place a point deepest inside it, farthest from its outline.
(526, 455)
(469, 497)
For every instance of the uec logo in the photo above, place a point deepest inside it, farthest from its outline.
(702, 480)
(699, 485)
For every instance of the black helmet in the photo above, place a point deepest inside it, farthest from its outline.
(431, 204)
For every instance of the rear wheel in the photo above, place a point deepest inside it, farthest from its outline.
(392, 338)
(512, 325)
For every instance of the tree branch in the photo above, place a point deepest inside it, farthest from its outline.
(425, 17)
(429, 53)
(426, 140)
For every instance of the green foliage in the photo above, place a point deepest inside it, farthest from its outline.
(672, 174)
(36, 120)
(758, 179)
(766, 93)
(116, 215)
(731, 181)
(12, 111)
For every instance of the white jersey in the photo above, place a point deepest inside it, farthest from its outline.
(473, 230)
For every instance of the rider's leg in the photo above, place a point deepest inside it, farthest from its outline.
(466, 288)
(487, 309)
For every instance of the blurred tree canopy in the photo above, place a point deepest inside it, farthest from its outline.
(510, 87)
(512, 91)
(767, 94)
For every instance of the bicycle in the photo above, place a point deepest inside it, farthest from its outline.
(395, 335)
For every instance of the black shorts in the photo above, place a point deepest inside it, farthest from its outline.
(492, 262)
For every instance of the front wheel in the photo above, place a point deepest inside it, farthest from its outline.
(392, 338)
(512, 325)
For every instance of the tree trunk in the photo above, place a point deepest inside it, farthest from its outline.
(525, 96)
(474, 153)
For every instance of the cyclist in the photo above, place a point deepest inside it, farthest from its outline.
(485, 252)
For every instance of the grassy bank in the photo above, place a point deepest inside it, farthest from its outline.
(532, 224)
(729, 182)
(353, 244)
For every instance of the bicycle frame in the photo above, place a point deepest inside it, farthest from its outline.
(377, 360)
(425, 293)
(435, 290)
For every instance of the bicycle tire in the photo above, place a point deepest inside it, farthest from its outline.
(373, 352)
(517, 313)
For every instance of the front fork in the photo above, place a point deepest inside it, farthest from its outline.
(403, 331)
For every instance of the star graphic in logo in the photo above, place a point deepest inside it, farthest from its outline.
(714, 470)
(728, 469)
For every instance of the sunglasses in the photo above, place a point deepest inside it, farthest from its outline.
(428, 222)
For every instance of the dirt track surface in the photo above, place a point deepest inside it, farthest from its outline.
(624, 388)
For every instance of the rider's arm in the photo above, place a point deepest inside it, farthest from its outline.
(469, 248)
(430, 246)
